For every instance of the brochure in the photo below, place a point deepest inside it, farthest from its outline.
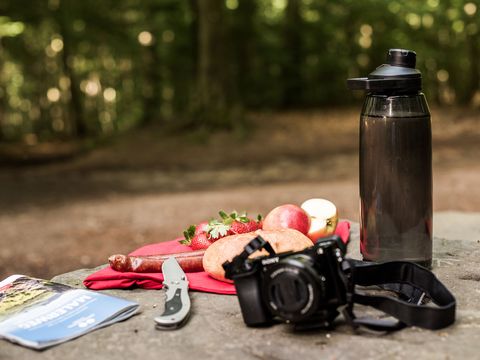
(39, 313)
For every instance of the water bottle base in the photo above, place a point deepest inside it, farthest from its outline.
(422, 262)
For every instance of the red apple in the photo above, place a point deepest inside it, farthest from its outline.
(287, 216)
(323, 217)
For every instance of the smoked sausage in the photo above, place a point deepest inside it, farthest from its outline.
(190, 261)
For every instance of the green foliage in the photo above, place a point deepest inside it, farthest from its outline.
(95, 68)
(10, 28)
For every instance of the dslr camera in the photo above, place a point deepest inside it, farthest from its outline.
(309, 288)
(304, 288)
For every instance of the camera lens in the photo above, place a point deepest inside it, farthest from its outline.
(293, 288)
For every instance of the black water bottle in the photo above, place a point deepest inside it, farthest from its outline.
(395, 163)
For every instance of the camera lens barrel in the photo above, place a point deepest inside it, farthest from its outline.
(293, 288)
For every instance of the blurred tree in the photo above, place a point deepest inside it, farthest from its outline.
(292, 68)
(244, 31)
(64, 19)
(473, 51)
(89, 69)
(215, 104)
(152, 63)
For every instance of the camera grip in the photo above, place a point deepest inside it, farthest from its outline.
(250, 298)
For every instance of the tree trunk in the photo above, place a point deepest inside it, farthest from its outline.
(153, 80)
(245, 39)
(215, 103)
(292, 95)
(194, 36)
(152, 68)
(2, 114)
(75, 109)
(474, 76)
(3, 95)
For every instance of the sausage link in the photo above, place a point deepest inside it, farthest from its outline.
(190, 261)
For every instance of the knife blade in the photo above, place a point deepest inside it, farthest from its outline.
(177, 303)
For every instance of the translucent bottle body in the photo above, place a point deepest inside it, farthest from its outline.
(396, 179)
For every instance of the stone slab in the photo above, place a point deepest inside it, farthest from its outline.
(216, 329)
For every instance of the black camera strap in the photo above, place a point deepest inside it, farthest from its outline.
(413, 285)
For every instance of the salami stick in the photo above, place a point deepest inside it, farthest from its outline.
(190, 261)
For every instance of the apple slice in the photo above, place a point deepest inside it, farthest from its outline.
(323, 217)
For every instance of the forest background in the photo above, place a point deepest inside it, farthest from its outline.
(76, 69)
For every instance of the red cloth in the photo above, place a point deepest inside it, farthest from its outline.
(107, 278)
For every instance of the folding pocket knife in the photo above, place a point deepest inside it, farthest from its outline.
(177, 303)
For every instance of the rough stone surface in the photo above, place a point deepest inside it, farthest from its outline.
(216, 329)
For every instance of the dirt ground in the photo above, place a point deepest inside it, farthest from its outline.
(147, 186)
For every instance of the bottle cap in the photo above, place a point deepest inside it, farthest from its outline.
(398, 74)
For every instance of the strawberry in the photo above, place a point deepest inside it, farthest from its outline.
(195, 237)
(201, 227)
(200, 241)
(253, 225)
(260, 221)
(232, 223)
(200, 236)
(239, 227)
